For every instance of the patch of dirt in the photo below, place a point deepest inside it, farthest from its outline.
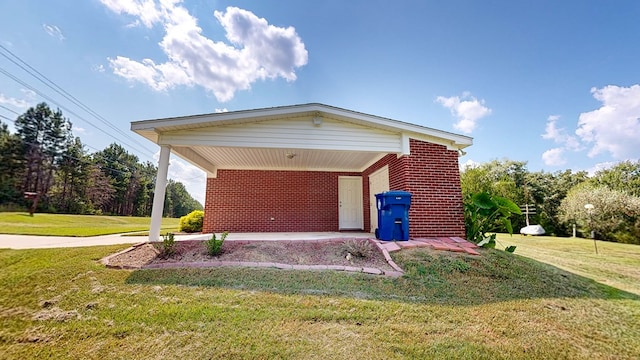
(56, 314)
(316, 252)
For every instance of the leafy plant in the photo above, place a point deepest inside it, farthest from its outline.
(483, 212)
(168, 247)
(358, 247)
(192, 222)
(214, 245)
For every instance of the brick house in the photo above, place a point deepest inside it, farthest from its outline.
(311, 167)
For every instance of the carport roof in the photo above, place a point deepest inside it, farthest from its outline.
(297, 137)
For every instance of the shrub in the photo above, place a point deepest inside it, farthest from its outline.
(168, 247)
(192, 222)
(214, 245)
(481, 213)
(358, 247)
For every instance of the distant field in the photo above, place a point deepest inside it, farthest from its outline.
(616, 265)
(76, 225)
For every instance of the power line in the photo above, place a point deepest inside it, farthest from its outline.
(55, 87)
(19, 81)
(9, 109)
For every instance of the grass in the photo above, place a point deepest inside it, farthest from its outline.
(76, 225)
(60, 303)
(615, 264)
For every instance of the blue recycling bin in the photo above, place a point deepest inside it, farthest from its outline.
(393, 215)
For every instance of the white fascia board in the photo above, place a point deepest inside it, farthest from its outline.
(450, 144)
(459, 141)
(161, 125)
(219, 118)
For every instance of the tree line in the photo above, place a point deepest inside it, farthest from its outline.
(559, 198)
(44, 163)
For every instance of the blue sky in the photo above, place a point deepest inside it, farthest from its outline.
(553, 83)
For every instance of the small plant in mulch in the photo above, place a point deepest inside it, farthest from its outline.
(360, 248)
(214, 245)
(168, 246)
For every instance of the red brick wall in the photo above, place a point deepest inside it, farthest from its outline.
(432, 176)
(434, 181)
(246, 200)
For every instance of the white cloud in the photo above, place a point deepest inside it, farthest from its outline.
(258, 51)
(223, 110)
(148, 12)
(559, 135)
(98, 68)
(615, 126)
(466, 108)
(53, 31)
(79, 130)
(553, 157)
(18, 103)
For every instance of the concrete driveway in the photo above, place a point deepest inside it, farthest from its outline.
(42, 242)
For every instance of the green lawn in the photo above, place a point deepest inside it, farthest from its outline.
(61, 303)
(76, 225)
(615, 264)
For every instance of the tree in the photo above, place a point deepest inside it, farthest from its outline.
(12, 162)
(44, 133)
(178, 202)
(44, 157)
(98, 192)
(624, 176)
(69, 191)
(504, 178)
(546, 191)
(144, 198)
(615, 215)
(120, 167)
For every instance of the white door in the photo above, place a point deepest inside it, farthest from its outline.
(350, 202)
(378, 182)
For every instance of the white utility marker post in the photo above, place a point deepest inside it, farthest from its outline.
(590, 208)
(158, 195)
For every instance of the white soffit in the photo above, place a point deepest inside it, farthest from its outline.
(276, 159)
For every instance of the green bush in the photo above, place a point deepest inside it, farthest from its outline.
(481, 213)
(214, 245)
(192, 222)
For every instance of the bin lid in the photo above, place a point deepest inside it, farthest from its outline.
(396, 193)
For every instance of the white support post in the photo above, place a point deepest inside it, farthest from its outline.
(158, 195)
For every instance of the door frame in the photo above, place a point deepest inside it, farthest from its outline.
(358, 205)
(373, 208)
